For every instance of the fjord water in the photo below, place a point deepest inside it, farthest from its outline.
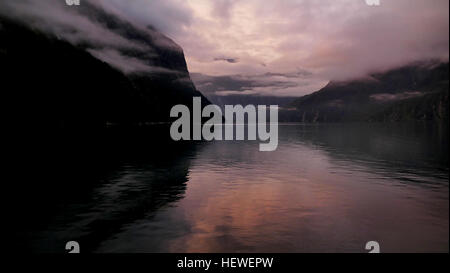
(327, 188)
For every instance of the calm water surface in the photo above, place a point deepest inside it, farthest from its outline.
(327, 188)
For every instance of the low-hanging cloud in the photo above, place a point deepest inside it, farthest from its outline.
(267, 84)
(332, 40)
(82, 26)
(229, 60)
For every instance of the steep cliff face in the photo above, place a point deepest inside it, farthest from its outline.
(96, 70)
(415, 92)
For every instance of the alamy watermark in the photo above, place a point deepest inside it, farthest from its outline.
(73, 2)
(234, 127)
(373, 247)
(373, 2)
(73, 247)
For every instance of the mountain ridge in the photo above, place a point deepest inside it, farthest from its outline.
(376, 98)
(67, 78)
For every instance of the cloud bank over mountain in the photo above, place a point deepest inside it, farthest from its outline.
(111, 37)
(332, 40)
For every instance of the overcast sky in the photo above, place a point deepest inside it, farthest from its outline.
(332, 39)
(299, 45)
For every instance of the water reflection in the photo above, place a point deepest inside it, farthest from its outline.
(401, 150)
(327, 188)
(88, 187)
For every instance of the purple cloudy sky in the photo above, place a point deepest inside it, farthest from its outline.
(332, 39)
(298, 45)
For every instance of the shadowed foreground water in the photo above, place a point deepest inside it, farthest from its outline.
(327, 188)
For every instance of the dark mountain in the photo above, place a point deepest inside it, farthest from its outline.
(432, 106)
(59, 76)
(414, 92)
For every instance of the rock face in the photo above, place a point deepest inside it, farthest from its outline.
(414, 92)
(93, 70)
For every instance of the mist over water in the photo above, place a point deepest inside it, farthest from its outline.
(327, 188)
